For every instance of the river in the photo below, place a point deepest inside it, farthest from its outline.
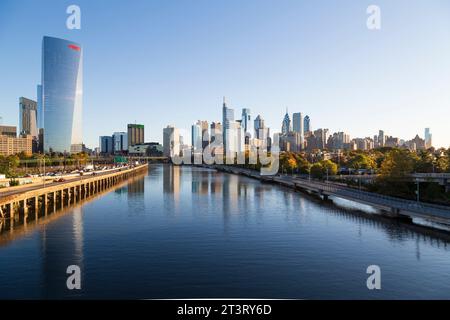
(184, 232)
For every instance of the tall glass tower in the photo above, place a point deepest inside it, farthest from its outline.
(61, 94)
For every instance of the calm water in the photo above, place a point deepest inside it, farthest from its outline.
(188, 232)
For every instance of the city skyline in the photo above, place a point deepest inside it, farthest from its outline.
(407, 97)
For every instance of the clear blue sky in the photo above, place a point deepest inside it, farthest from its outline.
(170, 62)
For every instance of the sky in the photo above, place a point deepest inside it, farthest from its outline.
(160, 62)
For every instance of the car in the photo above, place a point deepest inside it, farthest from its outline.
(59, 180)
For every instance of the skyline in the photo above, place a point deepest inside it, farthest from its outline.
(300, 75)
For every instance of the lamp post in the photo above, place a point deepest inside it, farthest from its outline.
(418, 190)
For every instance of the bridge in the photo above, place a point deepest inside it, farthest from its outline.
(17, 202)
(389, 206)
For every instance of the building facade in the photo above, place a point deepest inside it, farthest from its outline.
(10, 131)
(61, 94)
(135, 134)
(106, 145)
(120, 142)
(171, 141)
(28, 117)
(13, 145)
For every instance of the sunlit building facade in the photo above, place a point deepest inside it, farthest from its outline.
(61, 93)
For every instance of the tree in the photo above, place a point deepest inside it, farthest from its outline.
(324, 168)
(362, 161)
(398, 164)
(395, 171)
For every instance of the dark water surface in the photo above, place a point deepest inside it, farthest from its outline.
(182, 232)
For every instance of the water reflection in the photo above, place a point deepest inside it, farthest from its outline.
(189, 232)
(60, 248)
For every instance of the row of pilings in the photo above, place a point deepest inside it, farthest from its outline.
(19, 207)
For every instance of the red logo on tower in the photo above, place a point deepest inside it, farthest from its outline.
(74, 47)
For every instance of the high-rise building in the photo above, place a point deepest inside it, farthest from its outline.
(205, 138)
(381, 139)
(258, 124)
(135, 134)
(307, 124)
(28, 117)
(246, 124)
(428, 139)
(321, 138)
(261, 131)
(196, 138)
(227, 118)
(297, 119)
(286, 125)
(61, 94)
(216, 131)
(171, 141)
(120, 142)
(106, 145)
(338, 141)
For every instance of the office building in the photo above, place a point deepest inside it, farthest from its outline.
(196, 138)
(106, 145)
(60, 94)
(307, 124)
(135, 134)
(428, 139)
(171, 141)
(227, 118)
(297, 119)
(286, 124)
(28, 117)
(148, 149)
(120, 142)
(381, 139)
(10, 145)
(10, 131)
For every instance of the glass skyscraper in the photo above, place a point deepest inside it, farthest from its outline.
(61, 93)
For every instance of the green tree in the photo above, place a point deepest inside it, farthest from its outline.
(362, 161)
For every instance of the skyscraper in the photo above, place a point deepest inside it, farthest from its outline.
(171, 141)
(196, 137)
(307, 124)
(28, 117)
(246, 122)
(227, 118)
(106, 144)
(286, 125)
(60, 94)
(381, 139)
(135, 134)
(204, 133)
(297, 119)
(216, 131)
(428, 138)
(120, 142)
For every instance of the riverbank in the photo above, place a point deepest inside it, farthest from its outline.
(389, 206)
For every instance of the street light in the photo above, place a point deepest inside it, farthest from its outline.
(418, 190)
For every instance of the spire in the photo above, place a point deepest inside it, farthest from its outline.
(224, 101)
